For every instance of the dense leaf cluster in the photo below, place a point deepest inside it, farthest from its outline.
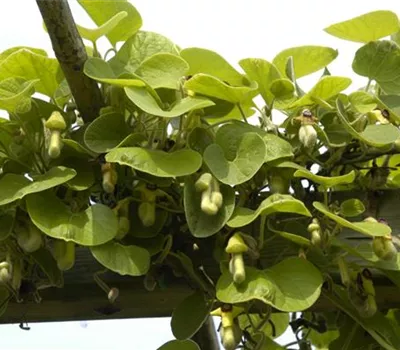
(187, 167)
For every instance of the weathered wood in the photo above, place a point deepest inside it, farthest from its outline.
(70, 52)
(81, 299)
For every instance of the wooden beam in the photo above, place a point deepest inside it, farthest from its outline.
(82, 299)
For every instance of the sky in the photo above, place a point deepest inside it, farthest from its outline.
(236, 29)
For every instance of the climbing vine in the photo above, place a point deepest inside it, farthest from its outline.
(200, 170)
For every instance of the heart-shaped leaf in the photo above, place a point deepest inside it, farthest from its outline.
(139, 47)
(189, 315)
(275, 203)
(101, 12)
(106, 132)
(199, 139)
(306, 59)
(298, 281)
(374, 135)
(208, 85)
(123, 259)
(263, 73)
(30, 66)
(15, 94)
(14, 187)
(379, 61)
(248, 160)
(96, 225)
(162, 70)
(365, 28)
(201, 224)
(362, 101)
(257, 286)
(326, 88)
(229, 136)
(374, 229)
(179, 345)
(209, 62)
(158, 163)
(352, 207)
(142, 98)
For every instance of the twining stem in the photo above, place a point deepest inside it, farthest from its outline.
(262, 231)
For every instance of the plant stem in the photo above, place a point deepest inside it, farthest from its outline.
(242, 113)
(262, 232)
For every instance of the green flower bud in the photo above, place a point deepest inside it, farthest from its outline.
(384, 248)
(147, 213)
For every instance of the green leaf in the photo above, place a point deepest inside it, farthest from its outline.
(84, 178)
(158, 163)
(392, 104)
(257, 286)
(123, 259)
(15, 94)
(4, 298)
(199, 139)
(374, 135)
(48, 264)
(100, 70)
(378, 326)
(189, 315)
(139, 47)
(278, 323)
(102, 11)
(138, 230)
(142, 98)
(276, 203)
(374, 229)
(282, 88)
(30, 66)
(96, 225)
(14, 187)
(7, 219)
(365, 28)
(11, 50)
(325, 181)
(326, 88)
(299, 284)
(201, 224)
(208, 85)
(379, 61)
(162, 70)
(229, 136)
(362, 101)
(307, 59)
(209, 62)
(263, 73)
(179, 345)
(106, 132)
(96, 33)
(352, 207)
(250, 155)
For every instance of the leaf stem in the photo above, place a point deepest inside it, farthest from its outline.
(262, 231)
(242, 113)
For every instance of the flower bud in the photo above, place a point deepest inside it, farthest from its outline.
(307, 136)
